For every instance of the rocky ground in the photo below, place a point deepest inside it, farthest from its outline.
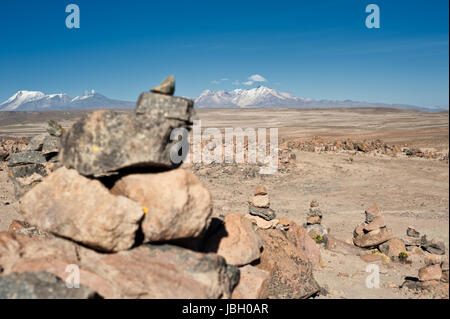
(406, 177)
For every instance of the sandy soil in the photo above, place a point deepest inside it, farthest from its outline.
(410, 191)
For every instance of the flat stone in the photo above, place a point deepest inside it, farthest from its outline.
(262, 223)
(27, 157)
(311, 220)
(341, 247)
(167, 86)
(373, 238)
(315, 211)
(377, 222)
(36, 143)
(411, 241)
(314, 203)
(435, 246)
(265, 213)
(371, 213)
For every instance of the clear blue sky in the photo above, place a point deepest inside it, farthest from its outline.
(318, 49)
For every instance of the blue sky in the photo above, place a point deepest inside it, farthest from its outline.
(317, 49)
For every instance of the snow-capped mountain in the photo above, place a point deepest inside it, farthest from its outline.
(262, 96)
(38, 101)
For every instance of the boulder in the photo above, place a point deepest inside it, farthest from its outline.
(147, 271)
(252, 284)
(104, 142)
(72, 206)
(236, 241)
(300, 238)
(373, 238)
(432, 272)
(393, 247)
(178, 205)
(290, 271)
(40, 285)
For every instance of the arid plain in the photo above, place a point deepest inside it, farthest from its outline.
(409, 190)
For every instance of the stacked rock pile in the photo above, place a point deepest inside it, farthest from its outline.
(259, 204)
(373, 231)
(313, 224)
(40, 157)
(126, 216)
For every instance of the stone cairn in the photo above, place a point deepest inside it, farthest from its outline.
(373, 232)
(139, 226)
(29, 167)
(313, 224)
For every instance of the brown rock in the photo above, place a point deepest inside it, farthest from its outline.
(378, 222)
(359, 230)
(300, 238)
(393, 247)
(433, 272)
(178, 205)
(290, 270)
(260, 190)
(261, 222)
(371, 213)
(412, 232)
(371, 258)
(373, 238)
(236, 241)
(252, 284)
(311, 220)
(72, 206)
(314, 203)
(261, 201)
(411, 241)
(433, 260)
(341, 247)
(144, 272)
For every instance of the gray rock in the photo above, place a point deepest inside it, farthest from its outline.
(54, 128)
(27, 157)
(412, 232)
(3, 154)
(50, 145)
(434, 246)
(103, 142)
(265, 213)
(315, 211)
(24, 177)
(40, 285)
(315, 229)
(36, 143)
(166, 87)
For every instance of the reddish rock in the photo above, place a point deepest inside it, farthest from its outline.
(312, 220)
(432, 272)
(341, 247)
(300, 238)
(412, 232)
(433, 259)
(178, 205)
(392, 247)
(371, 213)
(261, 201)
(261, 222)
(72, 206)
(236, 241)
(290, 271)
(371, 258)
(373, 238)
(314, 203)
(144, 272)
(16, 225)
(378, 222)
(260, 190)
(253, 283)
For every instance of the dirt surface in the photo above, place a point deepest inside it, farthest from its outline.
(409, 191)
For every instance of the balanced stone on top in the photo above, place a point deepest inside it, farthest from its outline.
(259, 204)
(166, 87)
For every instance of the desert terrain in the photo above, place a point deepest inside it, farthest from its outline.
(409, 190)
